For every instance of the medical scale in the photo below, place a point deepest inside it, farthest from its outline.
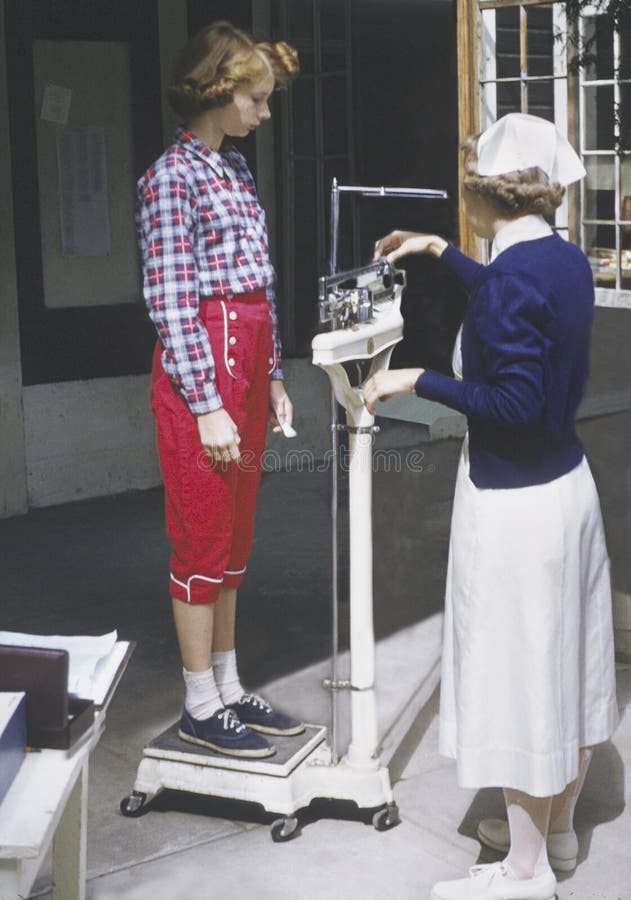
(360, 322)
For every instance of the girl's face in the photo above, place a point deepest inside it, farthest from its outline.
(248, 108)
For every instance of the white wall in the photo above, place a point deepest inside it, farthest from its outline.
(94, 438)
(88, 439)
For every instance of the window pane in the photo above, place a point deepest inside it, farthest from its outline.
(333, 19)
(489, 102)
(625, 192)
(599, 188)
(507, 42)
(334, 114)
(307, 264)
(304, 117)
(601, 252)
(598, 48)
(598, 126)
(333, 56)
(305, 54)
(338, 168)
(300, 18)
(624, 117)
(625, 46)
(625, 213)
(541, 99)
(508, 98)
(540, 41)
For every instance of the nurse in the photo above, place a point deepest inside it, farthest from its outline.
(528, 678)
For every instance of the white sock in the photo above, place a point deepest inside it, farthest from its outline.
(202, 695)
(563, 805)
(227, 676)
(528, 822)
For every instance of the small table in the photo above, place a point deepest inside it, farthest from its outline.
(48, 802)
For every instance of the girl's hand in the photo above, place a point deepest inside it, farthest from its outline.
(220, 436)
(387, 383)
(401, 243)
(282, 410)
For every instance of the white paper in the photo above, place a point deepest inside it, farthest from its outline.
(84, 651)
(56, 104)
(83, 195)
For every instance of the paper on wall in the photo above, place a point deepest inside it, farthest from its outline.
(83, 191)
(56, 104)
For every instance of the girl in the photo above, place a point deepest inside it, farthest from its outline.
(528, 680)
(209, 289)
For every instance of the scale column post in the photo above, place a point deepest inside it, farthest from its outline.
(363, 749)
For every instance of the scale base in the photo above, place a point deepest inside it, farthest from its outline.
(298, 773)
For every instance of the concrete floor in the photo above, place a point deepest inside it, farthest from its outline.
(98, 565)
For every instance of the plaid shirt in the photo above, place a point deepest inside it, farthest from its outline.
(202, 233)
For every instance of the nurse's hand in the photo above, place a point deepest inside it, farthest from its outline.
(387, 383)
(281, 407)
(402, 243)
(220, 436)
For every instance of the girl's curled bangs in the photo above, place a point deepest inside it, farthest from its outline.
(221, 59)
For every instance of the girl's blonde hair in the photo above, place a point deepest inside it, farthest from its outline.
(518, 193)
(218, 60)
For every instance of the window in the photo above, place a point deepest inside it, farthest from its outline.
(528, 57)
(605, 144)
(525, 68)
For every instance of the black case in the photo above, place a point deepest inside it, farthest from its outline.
(54, 718)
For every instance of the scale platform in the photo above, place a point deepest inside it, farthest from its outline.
(290, 751)
(299, 772)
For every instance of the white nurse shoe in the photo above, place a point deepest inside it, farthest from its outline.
(562, 846)
(493, 882)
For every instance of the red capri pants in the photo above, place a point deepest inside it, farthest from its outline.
(210, 506)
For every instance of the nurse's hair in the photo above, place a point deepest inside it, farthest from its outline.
(519, 193)
(219, 60)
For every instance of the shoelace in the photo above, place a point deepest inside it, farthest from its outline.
(255, 700)
(491, 869)
(230, 721)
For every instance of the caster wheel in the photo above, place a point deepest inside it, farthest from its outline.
(134, 805)
(387, 818)
(283, 829)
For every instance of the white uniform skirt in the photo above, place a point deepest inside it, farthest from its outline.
(528, 673)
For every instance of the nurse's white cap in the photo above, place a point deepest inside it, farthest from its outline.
(519, 141)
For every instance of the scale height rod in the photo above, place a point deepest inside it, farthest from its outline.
(335, 214)
(334, 577)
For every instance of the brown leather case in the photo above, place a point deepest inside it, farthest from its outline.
(53, 719)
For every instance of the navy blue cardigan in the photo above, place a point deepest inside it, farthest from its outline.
(525, 356)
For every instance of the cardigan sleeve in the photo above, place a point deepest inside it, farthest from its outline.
(507, 321)
(463, 266)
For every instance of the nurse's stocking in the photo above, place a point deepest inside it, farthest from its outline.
(528, 823)
(563, 805)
